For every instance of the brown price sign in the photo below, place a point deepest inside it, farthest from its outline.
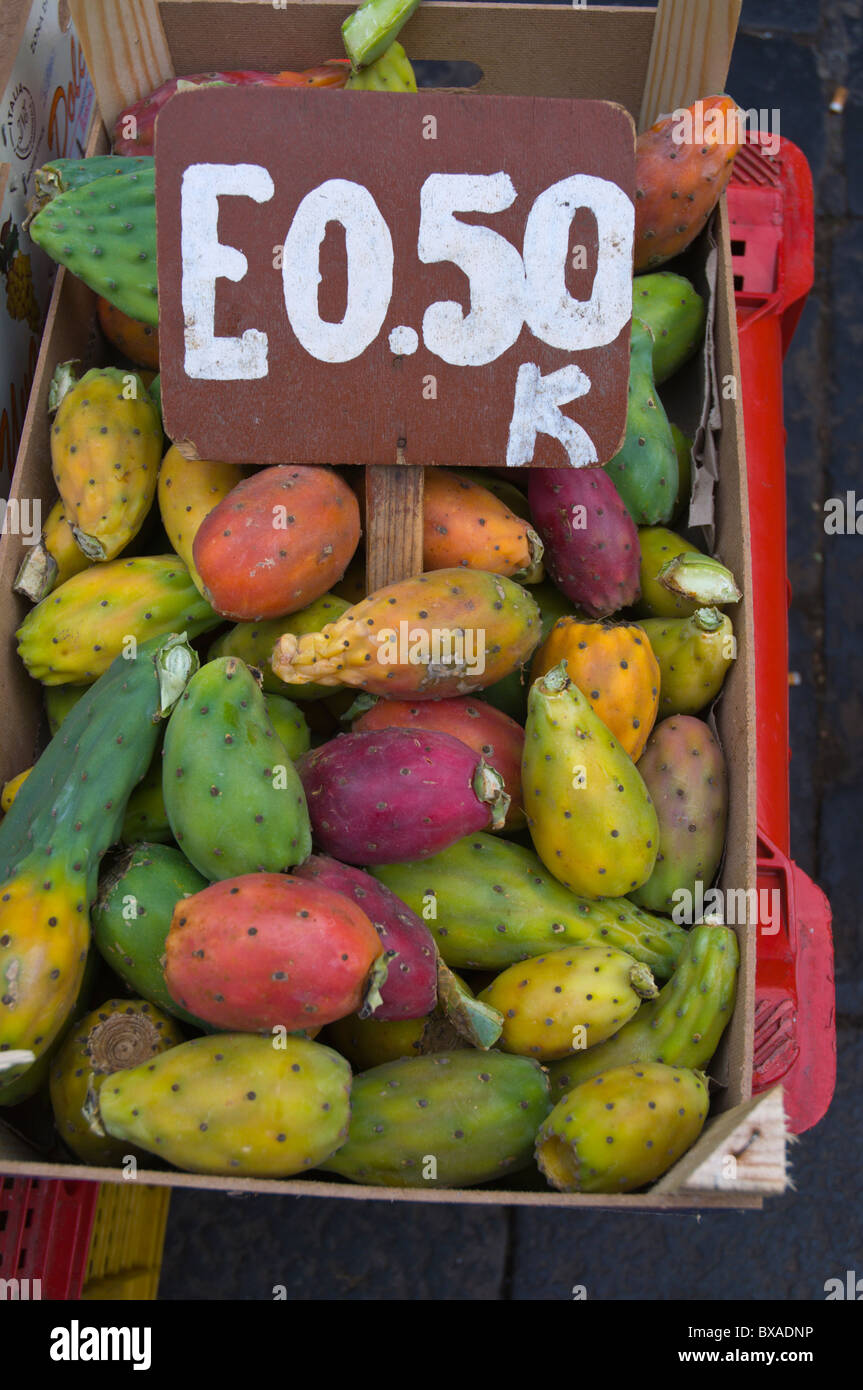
(366, 278)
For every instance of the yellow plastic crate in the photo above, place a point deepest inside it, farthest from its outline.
(125, 1256)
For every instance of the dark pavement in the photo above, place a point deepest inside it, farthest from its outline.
(790, 55)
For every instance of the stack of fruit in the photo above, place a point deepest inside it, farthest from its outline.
(502, 803)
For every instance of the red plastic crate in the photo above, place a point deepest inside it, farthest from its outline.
(771, 210)
(45, 1231)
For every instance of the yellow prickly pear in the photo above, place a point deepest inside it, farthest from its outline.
(623, 1129)
(54, 558)
(187, 492)
(106, 443)
(591, 818)
(568, 1000)
(694, 656)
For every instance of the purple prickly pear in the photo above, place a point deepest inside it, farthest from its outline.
(684, 771)
(410, 989)
(591, 541)
(393, 794)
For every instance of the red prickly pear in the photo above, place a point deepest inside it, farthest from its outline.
(465, 524)
(410, 989)
(488, 731)
(278, 541)
(679, 181)
(394, 794)
(449, 632)
(264, 951)
(591, 541)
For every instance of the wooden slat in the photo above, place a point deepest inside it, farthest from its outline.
(690, 54)
(743, 1150)
(394, 524)
(125, 49)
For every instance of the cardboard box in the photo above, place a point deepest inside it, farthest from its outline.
(541, 50)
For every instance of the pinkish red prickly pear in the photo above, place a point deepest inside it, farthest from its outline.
(591, 541)
(394, 794)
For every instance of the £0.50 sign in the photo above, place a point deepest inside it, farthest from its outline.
(357, 277)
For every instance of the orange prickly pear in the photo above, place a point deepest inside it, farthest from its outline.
(682, 165)
(590, 815)
(187, 493)
(54, 558)
(106, 443)
(449, 632)
(694, 656)
(136, 340)
(465, 524)
(614, 668)
(623, 1129)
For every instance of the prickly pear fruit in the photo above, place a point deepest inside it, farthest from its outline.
(701, 579)
(135, 340)
(277, 542)
(234, 800)
(234, 1104)
(645, 470)
(492, 735)
(694, 656)
(366, 1043)
(64, 817)
(122, 1033)
(54, 558)
(60, 700)
(105, 233)
(623, 1129)
(573, 998)
(37, 1076)
(449, 632)
(589, 813)
(132, 914)
(135, 127)
(678, 182)
(105, 449)
(265, 951)
(187, 493)
(74, 634)
(681, 1026)
(490, 903)
(290, 725)
(146, 817)
(684, 771)
(591, 542)
(398, 794)
(391, 72)
(449, 1120)
(615, 670)
(371, 28)
(465, 524)
(11, 789)
(254, 644)
(675, 313)
(410, 989)
(658, 546)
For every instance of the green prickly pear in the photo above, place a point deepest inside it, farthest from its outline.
(658, 546)
(146, 817)
(694, 655)
(132, 914)
(447, 1120)
(645, 470)
(122, 1033)
(236, 1104)
(675, 313)
(64, 817)
(490, 903)
(681, 1026)
(684, 771)
(234, 799)
(589, 813)
(105, 233)
(60, 700)
(75, 633)
(623, 1129)
(290, 725)
(572, 998)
